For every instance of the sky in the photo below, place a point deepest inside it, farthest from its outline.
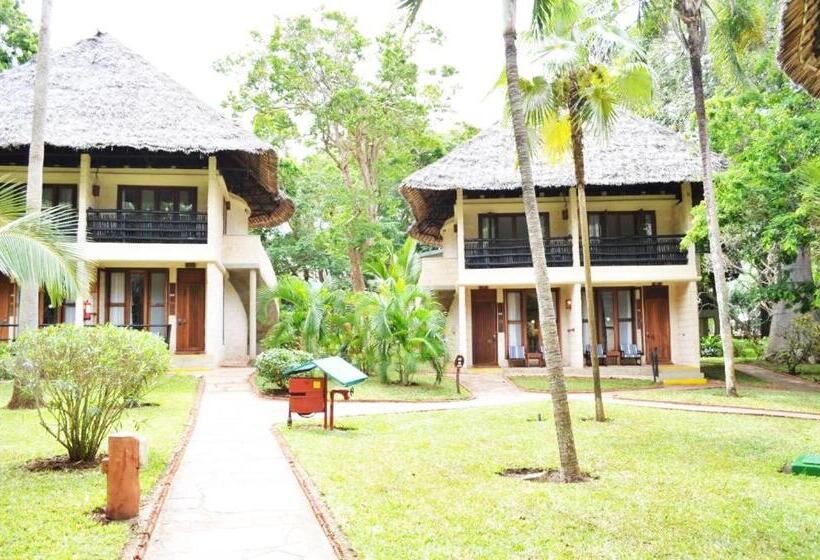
(183, 38)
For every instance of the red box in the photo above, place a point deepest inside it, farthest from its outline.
(307, 395)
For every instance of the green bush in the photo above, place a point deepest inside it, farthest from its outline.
(749, 348)
(802, 343)
(271, 364)
(710, 347)
(5, 362)
(85, 377)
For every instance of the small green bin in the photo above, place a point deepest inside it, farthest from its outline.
(807, 464)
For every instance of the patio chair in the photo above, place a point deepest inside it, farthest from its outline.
(536, 357)
(517, 354)
(588, 357)
(630, 352)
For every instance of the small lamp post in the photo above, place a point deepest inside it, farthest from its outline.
(459, 363)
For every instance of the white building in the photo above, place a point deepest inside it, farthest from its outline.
(642, 184)
(165, 190)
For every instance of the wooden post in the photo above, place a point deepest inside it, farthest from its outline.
(122, 471)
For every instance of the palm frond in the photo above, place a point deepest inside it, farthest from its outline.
(739, 27)
(556, 136)
(634, 84)
(412, 7)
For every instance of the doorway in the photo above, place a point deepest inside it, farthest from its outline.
(485, 336)
(656, 322)
(190, 310)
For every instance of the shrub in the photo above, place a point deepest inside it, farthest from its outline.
(710, 346)
(5, 362)
(802, 342)
(85, 377)
(271, 364)
(750, 348)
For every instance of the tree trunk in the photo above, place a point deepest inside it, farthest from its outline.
(783, 314)
(546, 312)
(693, 24)
(28, 312)
(580, 181)
(357, 283)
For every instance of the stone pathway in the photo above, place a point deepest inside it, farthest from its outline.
(777, 378)
(234, 495)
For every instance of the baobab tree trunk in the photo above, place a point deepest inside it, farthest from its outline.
(783, 314)
(577, 134)
(546, 312)
(690, 14)
(29, 293)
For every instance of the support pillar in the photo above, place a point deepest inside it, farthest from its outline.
(574, 229)
(462, 324)
(576, 329)
(252, 314)
(214, 312)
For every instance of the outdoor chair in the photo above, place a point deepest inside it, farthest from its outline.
(517, 354)
(588, 357)
(630, 353)
(536, 357)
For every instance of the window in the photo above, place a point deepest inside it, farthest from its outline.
(55, 315)
(158, 199)
(59, 195)
(615, 315)
(508, 226)
(523, 327)
(138, 298)
(621, 224)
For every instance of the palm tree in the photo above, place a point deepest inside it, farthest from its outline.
(592, 68)
(570, 471)
(35, 250)
(303, 321)
(735, 21)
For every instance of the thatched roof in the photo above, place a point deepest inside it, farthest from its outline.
(102, 95)
(637, 152)
(799, 53)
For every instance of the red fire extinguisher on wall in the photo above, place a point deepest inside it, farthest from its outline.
(87, 308)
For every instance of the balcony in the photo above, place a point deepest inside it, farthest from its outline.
(514, 253)
(143, 226)
(637, 251)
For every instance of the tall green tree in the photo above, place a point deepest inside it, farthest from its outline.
(570, 470)
(18, 41)
(735, 27)
(593, 70)
(308, 79)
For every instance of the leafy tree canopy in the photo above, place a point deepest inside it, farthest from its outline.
(18, 41)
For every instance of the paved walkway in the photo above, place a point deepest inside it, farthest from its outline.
(234, 495)
(777, 378)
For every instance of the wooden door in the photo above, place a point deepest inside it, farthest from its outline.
(656, 322)
(190, 310)
(485, 336)
(6, 307)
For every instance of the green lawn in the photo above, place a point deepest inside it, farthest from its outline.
(712, 368)
(671, 484)
(422, 388)
(799, 401)
(578, 384)
(46, 514)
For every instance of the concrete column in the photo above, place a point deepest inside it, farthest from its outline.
(502, 336)
(462, 322)
(574, 229)
(216, 206)
(172, 316)
(214, 311)
(459, 210)
(252, 314)
(83, 197)
(575, 338)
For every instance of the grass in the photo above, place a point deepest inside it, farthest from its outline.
(577, 384)
(798, 401)
(46, 514)
(422, 388)
(809, 372)
(671, 484)
(713, 369)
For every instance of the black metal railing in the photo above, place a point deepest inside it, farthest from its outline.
(637, 251)
(143, 226)
(511, 253)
